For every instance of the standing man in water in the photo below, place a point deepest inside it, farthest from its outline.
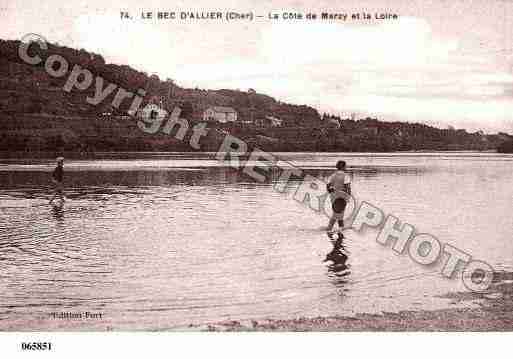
(339, 186)
(57, 177)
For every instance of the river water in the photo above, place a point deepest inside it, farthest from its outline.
(168, 240)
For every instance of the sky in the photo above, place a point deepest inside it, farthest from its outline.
(444, 63)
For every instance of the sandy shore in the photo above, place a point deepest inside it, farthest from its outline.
(494, 314)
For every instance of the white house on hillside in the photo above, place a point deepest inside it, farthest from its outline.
(152, 111)
(220, 114)
(275, 121)
(269, 121)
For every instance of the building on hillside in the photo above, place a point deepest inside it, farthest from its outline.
(269, 121)
(152, 112)
(220, 114)
(370, 130)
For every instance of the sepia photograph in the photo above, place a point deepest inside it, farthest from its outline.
(243, 166)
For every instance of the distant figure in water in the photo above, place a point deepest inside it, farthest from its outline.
(57, 177)
(339, 186)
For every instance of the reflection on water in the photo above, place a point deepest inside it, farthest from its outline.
(58, 213)
(157, 241)
(338, 268)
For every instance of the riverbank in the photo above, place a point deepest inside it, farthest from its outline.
(495, 313)
(89, 134)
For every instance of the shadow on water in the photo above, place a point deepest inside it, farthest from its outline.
(338, 268)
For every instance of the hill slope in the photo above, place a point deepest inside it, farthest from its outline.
(37, 114)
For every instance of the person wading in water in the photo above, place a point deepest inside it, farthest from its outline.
(57, 177)
(339, 186)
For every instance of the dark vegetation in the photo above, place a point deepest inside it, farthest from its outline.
(506, 147)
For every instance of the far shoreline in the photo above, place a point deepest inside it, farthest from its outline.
(92, 155)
